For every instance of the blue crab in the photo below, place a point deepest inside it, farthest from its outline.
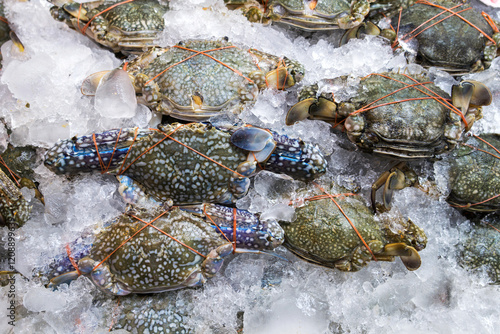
(153, 313)
(396, 115)
(16, 172)
(214, 166)
(129, 27)
(181, 248)
(323, 232)
(447, 34)
(481, 248)
(197, 79)
(14, 209)
(308, 15)
(473, 174)
(472, 171)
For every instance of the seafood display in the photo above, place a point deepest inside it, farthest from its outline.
(180, 195)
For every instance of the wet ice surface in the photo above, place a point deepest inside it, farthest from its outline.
(41, 102)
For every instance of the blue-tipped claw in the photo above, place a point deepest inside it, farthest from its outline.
(251, 139)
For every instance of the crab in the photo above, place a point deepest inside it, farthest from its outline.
(129, 27)
(380, 119)
(182, 247)
(474, 174)
(308, 15)
(445, 34)
(197, 79)
(481, 248)
(16, 172)
(472, 183)
(153, 313)
(322, 232)
(188, 164)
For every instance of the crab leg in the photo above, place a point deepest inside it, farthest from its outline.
(88, 153)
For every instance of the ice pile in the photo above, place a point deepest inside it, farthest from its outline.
(41, 102)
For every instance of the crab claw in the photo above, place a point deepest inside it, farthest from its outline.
(90, 84)
(17, 42)
(258, 141)
(299, 111)
(367, 28)
(279, 79)
(312, 108)
(394, 179)
(409, 256)
(61, 279)
(470, 93)
(76, 10)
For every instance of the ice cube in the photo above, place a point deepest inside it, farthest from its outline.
(115, 96)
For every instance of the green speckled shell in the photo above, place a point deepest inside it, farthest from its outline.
(475, 175)
(452, 43)
(151, 259)
(135, 16)
(172, 171)
(13, 206)
(481, 249)
(154, 313)
(14, 209)
(414, 127)
(218, 86)
(323, 235)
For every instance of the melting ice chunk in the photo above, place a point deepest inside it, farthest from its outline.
(115, 96)
(36, 300)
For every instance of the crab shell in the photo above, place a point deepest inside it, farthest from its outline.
(322, 235)
(321, 15)
(452, 44)
(152, 313)
(171, 172)
(481, 248)
(14, 208)
(129, 28)
(197, 79)
(474, 174)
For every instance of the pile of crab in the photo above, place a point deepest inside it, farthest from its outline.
(180, 182)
